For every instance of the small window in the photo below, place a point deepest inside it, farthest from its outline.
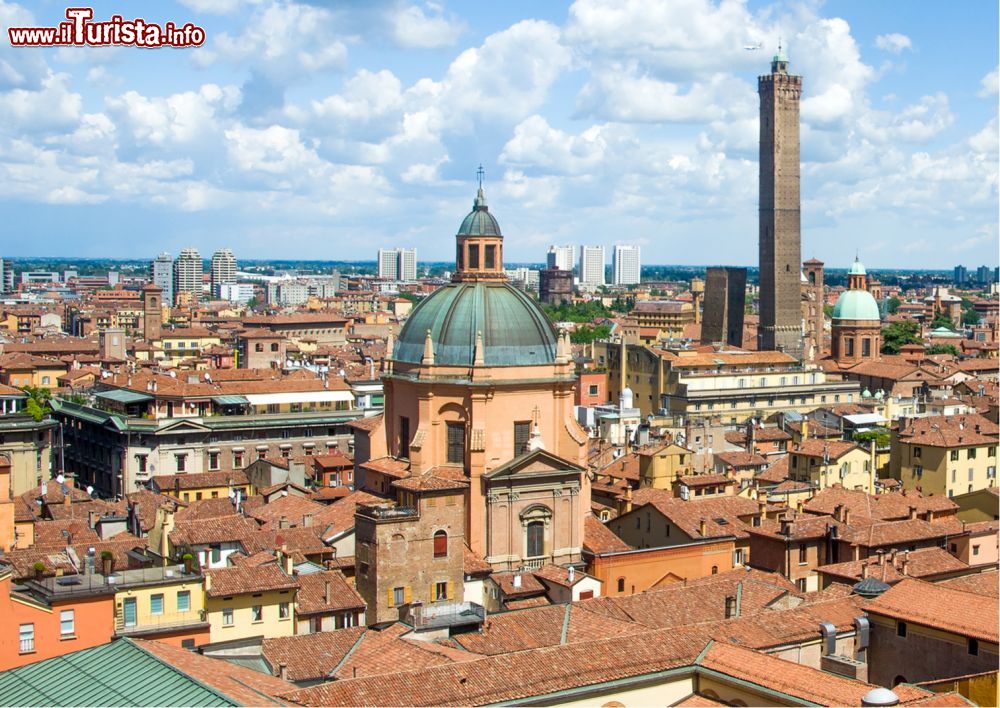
(440, 544)
(621, 584)
(284, 611)
(900, 629)
(26, 635)
(213, 460)
(216, 553)
(491, 256)
(973, 646)
(953, 455)
(67, 624)
(181, 462)
(456, 443)
(184, 601)
(800, 585)
(440, 591)
(398, 596)
(257, 613)
(474, 256)
(803, 553)
(917, 452)
(227, 616)
(975, 550)
(522, 436)
(715, 570)
(156, 604)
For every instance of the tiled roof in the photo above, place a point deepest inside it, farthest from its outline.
(980, 583)
(367, 424)
(389, 466)
(739, 437)
(873, 534)
(529, 584)
(941, 607)
(213, 530)
(199, 480)
(546, 626)
(311, 598)
(510, 677)
(429, 482)
(894, 505)
(625, 467)
(339, 516)
(688, 514)
(312, 656)
(62, 532)
(146, 503)
(776, 472)
(294, 509)
(741, 459)
(705, 480)
(598, 538)
(247, 579)
(921, 563)
(834, 449)
(798, 680)
(473, 564)
(950, 431)
(801, 526)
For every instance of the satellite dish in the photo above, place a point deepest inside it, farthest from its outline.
(90, 489)
(60, 478)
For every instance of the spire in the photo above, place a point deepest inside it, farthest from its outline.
(480, 201)
(562, 353)
(479, 355)
(428, 359)
(536, 442)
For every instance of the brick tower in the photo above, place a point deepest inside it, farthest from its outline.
(780, 247)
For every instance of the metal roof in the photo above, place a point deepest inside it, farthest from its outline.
(231, 400)
(115, 674)
(121, 395)
(479, 222)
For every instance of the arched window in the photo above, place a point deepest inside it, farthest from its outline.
(535, 539)
(440, 544)
(621, 584)
(715, 570)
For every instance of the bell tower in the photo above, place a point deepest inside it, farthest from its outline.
(152, 312)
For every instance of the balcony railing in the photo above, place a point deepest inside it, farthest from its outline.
(27, 646)
(454, 614)
(381, 512)
(158, 623)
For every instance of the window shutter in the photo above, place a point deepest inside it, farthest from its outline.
(432, 595)
(407, 595)
(451, 590)
(389, 594)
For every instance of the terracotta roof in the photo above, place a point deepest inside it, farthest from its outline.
(248, 687)
(308, 657)
(509, 677)
(339, 516)
(62, 532)
(472, 564)
(546, 626)
(332, 460)
(921, 563)
(367, 424)
(295, 510)
(798, 680)
(941, 607)
(215, 530)
(835, 449)
(705, 480)
(776, 472)
(950, 431)
(529, 584)
(311, 598)
(247, 579)
(389, 466)
(741, 459)
(980, 583)
(430, 482)
(145, 503)
(761, 434)
(625, 467)
(873, 534)
(199, 480)
(721, 514)
(201, 509)
(893, 505)
(599, 539)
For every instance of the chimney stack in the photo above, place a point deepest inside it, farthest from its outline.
(326, 593)
(913, 512)
(208, 582)
(702, 527)
(283, 671)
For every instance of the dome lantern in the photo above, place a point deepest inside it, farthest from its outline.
(479, 247)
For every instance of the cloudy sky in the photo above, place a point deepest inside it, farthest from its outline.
(324, 130)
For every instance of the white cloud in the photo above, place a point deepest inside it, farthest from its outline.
(537, 144)
(986, 140)
(176, 119)
(990, 84)
(53, 106)
(893, 42)
(411, 27)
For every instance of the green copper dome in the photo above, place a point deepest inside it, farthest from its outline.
(515, 330)
(479, 222)
(856, 305)
(857, 268)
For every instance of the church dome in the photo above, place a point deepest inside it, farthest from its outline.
(856, 305)
(515, 330)
(479, 222)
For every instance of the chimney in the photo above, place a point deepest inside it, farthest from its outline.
(571, 575)
(847, 516)
(517, 580)
(805, 429)
(307, 519)
(702, 527)
(864, 570)
(208, 582)
(177, 487)
(904, 566)
(838, 512)
(283, 671)
(892, 557)
(913, 512)
(326, 593)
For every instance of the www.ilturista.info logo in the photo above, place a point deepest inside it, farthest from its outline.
(81, 31)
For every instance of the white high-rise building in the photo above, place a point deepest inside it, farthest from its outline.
(223, 270)
(592, 265)
(187, 273)
(162, 272)
(626, 267)
(560, 257)
(397, 264)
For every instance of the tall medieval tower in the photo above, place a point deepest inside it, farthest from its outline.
(780, 240)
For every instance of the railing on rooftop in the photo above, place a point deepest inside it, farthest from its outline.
(450, 615)
(160, 622)
(384, 512)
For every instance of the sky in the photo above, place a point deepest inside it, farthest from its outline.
(327, 130)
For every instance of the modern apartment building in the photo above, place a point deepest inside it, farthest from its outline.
(626, 265)
(162, 273)
(397, 264)
(187, 273)
(592, 265)
(223, 270)
(560, 257)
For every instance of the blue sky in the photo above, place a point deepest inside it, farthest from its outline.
(327, 130)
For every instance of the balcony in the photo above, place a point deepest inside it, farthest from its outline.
(159, 624)
(441, 616)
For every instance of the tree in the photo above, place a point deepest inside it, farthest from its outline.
(879, 435)
(893, 304)
(898, 334)
(828, 310)
(942, 320)
(585, 334)
(37, 405)
(580, 312)
(969, 314)
(944, 349)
